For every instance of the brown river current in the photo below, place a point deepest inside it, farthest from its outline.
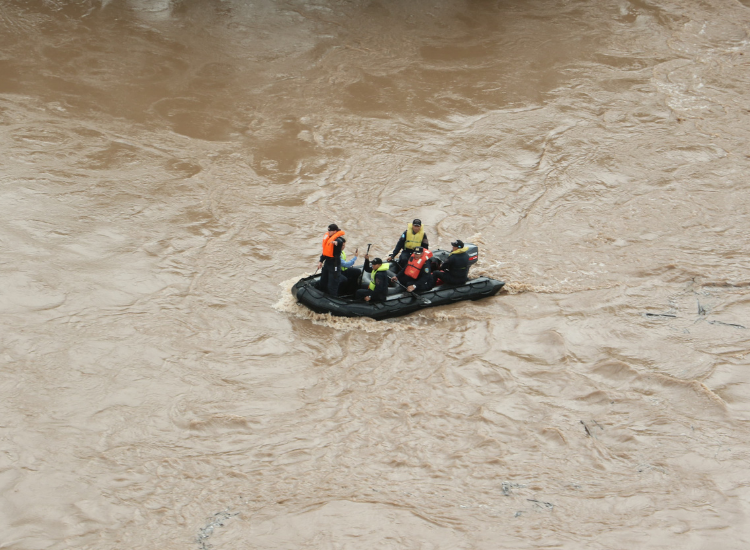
(168, 170)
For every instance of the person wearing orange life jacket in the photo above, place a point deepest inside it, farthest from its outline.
(413, 237)
(417, 275)
(330, 261)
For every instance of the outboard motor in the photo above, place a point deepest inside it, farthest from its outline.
(473, 253)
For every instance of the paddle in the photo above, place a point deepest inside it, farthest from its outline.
(310, 276)
(421, 299)
(359, 281)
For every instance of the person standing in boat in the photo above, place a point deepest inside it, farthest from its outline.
(413, 237)
(454, 270)
(378, 289)
(417, 275)
(330, 260)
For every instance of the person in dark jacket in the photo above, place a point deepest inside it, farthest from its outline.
(413, 237)
(417, 275)
(454, 270)
(378, 289)
(330, 260)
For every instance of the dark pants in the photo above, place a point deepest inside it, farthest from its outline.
(362, 293)
(423, 283)
(330, 277)
(351, 281)
(449, 278)
(403, 258)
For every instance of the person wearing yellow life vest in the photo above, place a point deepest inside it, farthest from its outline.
(413, 237)
(378, 289)
(417, 275)
(330, 260)
(454, 270)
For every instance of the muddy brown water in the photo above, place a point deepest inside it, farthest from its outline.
(168, 169)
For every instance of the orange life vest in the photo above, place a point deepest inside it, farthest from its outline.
(415, 264)
(328, 243)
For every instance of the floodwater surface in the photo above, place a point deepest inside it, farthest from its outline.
(168, 170)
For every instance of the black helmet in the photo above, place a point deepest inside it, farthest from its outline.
(458, 243)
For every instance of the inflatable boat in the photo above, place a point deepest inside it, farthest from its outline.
(398, 302)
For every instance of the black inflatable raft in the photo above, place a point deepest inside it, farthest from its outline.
(399, 302)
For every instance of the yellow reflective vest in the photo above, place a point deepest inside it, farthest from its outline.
(383, 267)
(412, 240)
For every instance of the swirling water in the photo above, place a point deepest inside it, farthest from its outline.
(168, 169)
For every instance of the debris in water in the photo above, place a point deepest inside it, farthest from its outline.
(217, 520)
(585, 427)
(508, 486)
(701, 310)
(547, 505)
(659, 315)
(725, 324)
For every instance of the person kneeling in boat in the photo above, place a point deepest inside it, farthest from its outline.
(378, 289)
(417, 275)
(413, 237)
(454, 270)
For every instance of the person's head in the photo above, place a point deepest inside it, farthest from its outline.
(418, 251)
(343, 243)
(416, 225)
(458, 243)
(377, 262)
(332, 228)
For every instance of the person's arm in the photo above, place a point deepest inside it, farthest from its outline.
(447, 264)
(425, 242)
(399, 245)
(367, 267)
(337, 245)
(348, 263)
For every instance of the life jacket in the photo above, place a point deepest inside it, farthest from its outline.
(414, 267)
(462, 262)
(412, 240)
(343, 259)
(383, 267)
(328, 243)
